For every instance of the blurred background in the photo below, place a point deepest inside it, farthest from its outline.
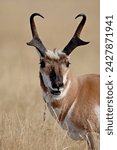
(23, 125)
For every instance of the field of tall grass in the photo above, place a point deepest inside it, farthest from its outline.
(24, 122)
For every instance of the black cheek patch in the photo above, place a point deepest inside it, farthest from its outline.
(42, 64)
(68, 64)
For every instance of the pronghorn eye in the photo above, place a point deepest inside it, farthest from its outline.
(67, 64)
(42, 63)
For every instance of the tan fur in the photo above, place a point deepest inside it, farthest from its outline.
(74, 102)
(84, 91)
(66, 102)
(56, 63)
(87, 98)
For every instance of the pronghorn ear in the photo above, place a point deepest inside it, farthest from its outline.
(36, 42)
(76, 41)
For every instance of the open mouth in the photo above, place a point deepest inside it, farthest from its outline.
(55, 92)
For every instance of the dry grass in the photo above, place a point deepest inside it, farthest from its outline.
(21, 105)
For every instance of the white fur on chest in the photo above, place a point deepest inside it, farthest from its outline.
(67, 123)
(97, 112)
(73, 131)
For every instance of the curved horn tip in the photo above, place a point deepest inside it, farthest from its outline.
(87, 43)
(28, 43)
(36, 14)
(83, 15)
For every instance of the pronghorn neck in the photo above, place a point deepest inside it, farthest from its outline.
(59, 106)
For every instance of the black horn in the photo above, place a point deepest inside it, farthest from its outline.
(76, 41)
(36, 42)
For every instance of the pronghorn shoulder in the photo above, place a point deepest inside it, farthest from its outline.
(88, 80)
(89, 85)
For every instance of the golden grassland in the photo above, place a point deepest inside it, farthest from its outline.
(22, 125)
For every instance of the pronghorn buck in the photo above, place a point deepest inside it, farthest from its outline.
(73, 102)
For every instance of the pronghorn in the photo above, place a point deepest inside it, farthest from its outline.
(73, 102)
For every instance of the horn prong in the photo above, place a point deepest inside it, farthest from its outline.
(76, 41)
(36, 42)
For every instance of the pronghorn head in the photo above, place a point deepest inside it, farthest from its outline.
(54, 65)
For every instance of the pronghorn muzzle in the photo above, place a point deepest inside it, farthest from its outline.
(57, 82)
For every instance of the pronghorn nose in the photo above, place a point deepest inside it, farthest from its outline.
(59, 81)
(58, 85)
